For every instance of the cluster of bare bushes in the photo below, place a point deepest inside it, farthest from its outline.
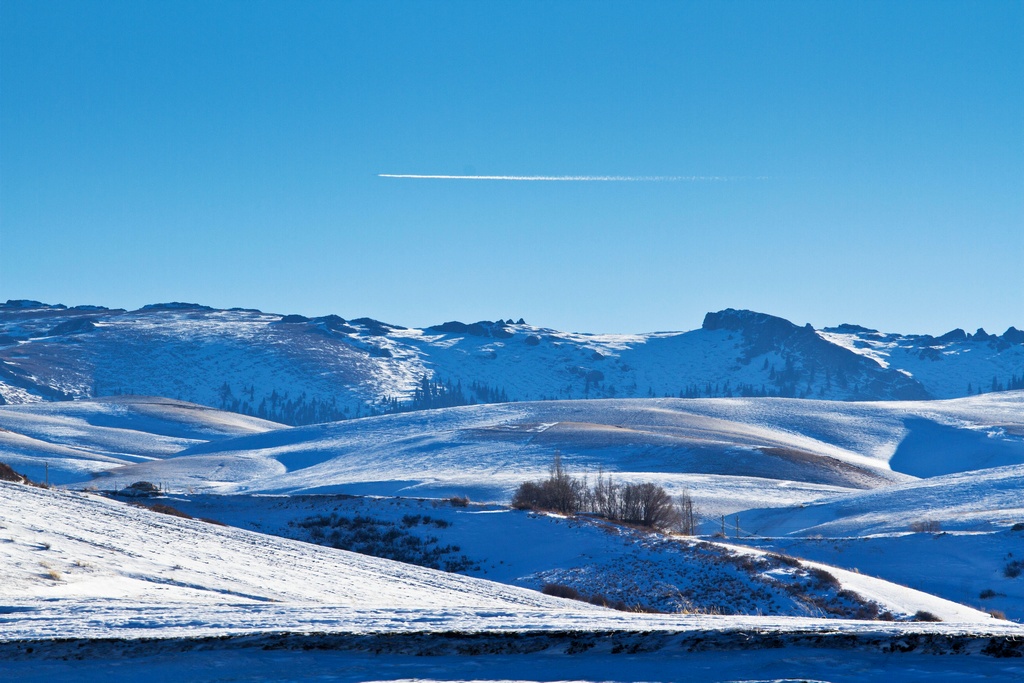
(643, 504)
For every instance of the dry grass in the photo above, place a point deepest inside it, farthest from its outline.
(50, 572)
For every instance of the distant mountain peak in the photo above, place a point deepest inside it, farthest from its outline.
(849, 328)
(30, 304)
(176, 306)
(741, 319)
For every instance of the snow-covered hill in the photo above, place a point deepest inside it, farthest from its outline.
(77, 546)
(721, 450)
(96, 589)
(86, 550)
(618, 563)
(67, 441)
(301, 371)
(89, 578)
(976, 501)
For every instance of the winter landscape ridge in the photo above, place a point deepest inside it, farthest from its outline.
(300, 370)
(860, 498)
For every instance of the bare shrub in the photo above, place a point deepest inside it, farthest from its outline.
(922, 615)
(987, 593)
(1013, 569)
(867, 611)
(211, 521)
(559, 492)
(459, 501)
(559, 590)
(823, 579)
(7, 473)
(997, 614)
(649, 505)
(165, 509)
(787, 560)
(529, 496)
(926, 526)
(168, 510)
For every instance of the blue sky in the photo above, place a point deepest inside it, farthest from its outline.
(228, 153)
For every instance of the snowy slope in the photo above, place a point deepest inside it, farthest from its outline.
(955, 364)
(486, 451)
(302, 371)
(61, 545)
(77, 565)
(671, 574)
(968, 568)
(708, 446)
(981, 500)
(69, 441)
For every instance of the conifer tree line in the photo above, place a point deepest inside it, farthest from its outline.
(303, 410)
(279, 407)
(1014, 383)
(432, 393)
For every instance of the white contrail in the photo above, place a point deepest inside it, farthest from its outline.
(570, 178)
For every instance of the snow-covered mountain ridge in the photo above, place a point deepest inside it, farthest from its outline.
(299, 370)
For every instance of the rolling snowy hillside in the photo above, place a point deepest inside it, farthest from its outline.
(70, 440)
(776, 467)
(719, 449)
(113, 588)
(299, 370)
(92, 579)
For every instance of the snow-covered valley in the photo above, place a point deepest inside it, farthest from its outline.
(883, 534)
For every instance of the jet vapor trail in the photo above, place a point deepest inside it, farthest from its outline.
(568, 178)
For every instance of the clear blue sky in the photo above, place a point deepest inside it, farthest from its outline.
(228, 153)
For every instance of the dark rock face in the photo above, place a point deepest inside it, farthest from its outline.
(375, 328)
(807, 355)
(763, 332)
(176, 306)
(335, 323)
(29, 304)
(73, 326)
(484, 328)
(848, 328)
(952, 336)
(1014, 336)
